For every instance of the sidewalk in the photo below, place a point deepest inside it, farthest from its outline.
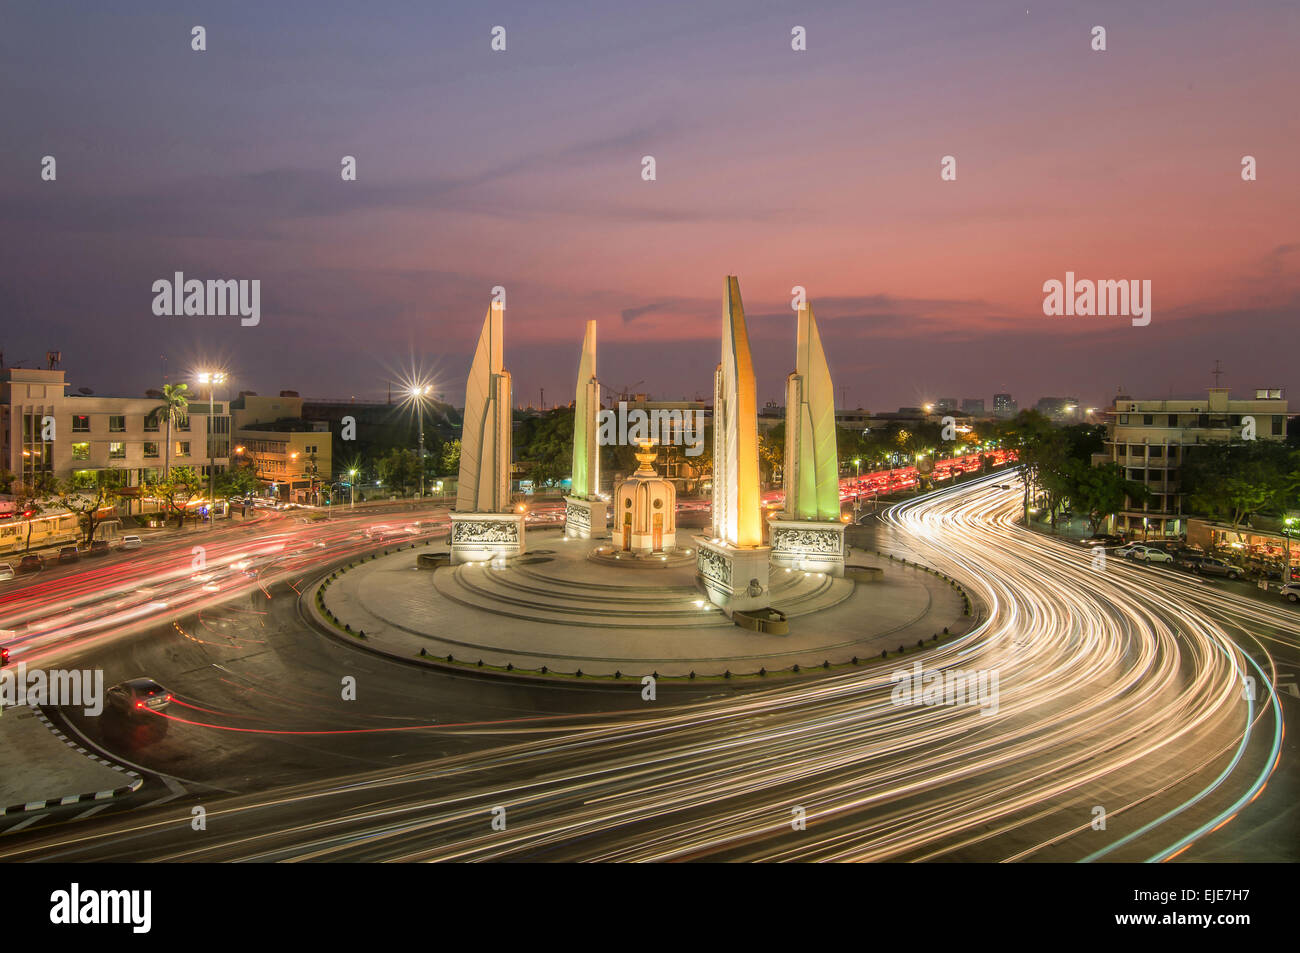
(41, 768)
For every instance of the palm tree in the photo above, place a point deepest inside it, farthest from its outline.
(175, 403)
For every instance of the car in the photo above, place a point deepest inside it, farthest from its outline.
(1153, 555)
(131, 542)
(138, 695)
(1213, 566)
(6, 571)
(1291, 592)
(1146, 554)
(4, 656)
(1103, 539)
(98, 547)
(30, 563)
(1128, 551)
(69, 554)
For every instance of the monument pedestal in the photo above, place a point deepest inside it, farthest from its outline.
(483, 537)
(585, 519)
(808, 545)
(735, 579)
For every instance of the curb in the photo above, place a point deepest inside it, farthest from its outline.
(134, 785)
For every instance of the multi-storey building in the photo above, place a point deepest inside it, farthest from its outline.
(1150, 439)
(292, 456)
(45, 432)
(973, 406)
(1004, 405)
(1062, 410)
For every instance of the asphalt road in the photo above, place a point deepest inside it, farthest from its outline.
(1116, 691)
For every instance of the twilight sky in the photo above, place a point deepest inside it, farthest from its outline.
(523, 169)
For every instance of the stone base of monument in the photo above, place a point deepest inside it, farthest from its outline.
(586, 519)
(735, 580)
(486, 537)
(807, 545)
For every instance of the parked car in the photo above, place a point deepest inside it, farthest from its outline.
(137, 695)
(1128, 551)
(69, 554)
(6, 571)
(131, 542)
(1213, 566)
(30, 563)
(98, 547)
(1291, 592)
(1148, 554)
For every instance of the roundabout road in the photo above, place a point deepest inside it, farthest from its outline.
(1111, 696)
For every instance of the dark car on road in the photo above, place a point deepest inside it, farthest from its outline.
(30, 563)
(98, 548)
(69, 554)
(1213, 566)
(137, 696)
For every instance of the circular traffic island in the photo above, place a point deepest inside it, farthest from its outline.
(568, 606)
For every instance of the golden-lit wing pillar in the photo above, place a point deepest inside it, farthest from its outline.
(484, 525)
(737, 508)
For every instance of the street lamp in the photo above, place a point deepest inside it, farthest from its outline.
(212, 379)
(352, 489)
(857, 486)
(418, 394)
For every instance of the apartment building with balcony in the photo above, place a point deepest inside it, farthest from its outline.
(1150, 440)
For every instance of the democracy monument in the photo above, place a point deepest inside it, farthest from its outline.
(617, 586)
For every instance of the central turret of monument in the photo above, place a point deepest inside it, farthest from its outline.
(645, 507)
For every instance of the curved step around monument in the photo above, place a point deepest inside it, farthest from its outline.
(521, 592)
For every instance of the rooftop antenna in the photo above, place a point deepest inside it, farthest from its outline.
(52, 359)
(1217, 372)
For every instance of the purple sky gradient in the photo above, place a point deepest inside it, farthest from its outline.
(523, 169)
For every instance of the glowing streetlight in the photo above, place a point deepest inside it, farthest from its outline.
(212, 379)
(418, 393)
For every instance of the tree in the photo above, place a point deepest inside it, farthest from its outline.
(86, 495)
(176, 403)
(449, 462)
(1233, 481)
(1034, 440)
(771, 454)
(176, 491)
(31, 499)
(545, 446)
(400, 470)
(1099, 492)
(239, 480)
